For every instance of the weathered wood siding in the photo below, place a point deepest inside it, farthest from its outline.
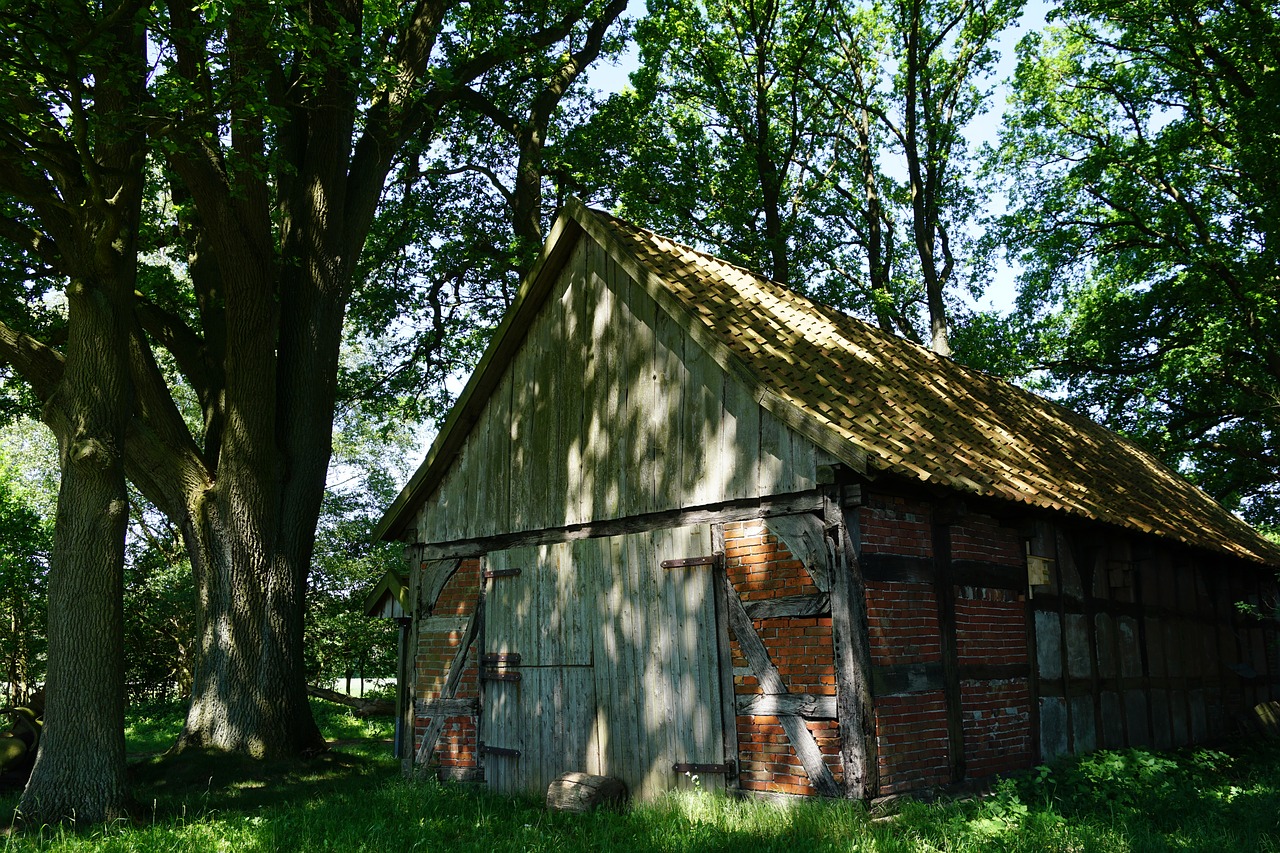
(608, 411)
(618, 667)
(1138, 643)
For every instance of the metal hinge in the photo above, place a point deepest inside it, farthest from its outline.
(689, 562)
(501, 573)
(727, 769)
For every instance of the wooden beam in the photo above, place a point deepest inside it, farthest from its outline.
(811, 706)
(855, 711)
(747, 509)
(802, 536)
(790, 605)
(724, 660)
(435, 575)
(762, 667)
(758, 660)
(447, 707)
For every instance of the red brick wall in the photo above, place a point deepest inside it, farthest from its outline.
(903, 622)
(991, 626)
(997, 726)
(891, 524)
(911, 732)
(984, 539)
(761, 568)
(456, 746)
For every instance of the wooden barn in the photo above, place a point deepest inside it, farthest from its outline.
(685, 522)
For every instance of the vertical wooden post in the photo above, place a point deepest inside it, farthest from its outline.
(728, 700)
(1139, 599)
(1060, 557)
(946, 593)
(1033, 657)
(855, 708)
(407, 672)
(1085, 555)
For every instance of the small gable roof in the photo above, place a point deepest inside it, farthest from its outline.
(869, 397)
(389, 597)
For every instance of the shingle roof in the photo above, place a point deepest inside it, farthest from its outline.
(924, 416)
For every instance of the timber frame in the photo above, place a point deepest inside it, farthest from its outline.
(683, 520)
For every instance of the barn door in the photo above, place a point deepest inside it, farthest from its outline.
(538, 707)
(596, 657)
(656, 660)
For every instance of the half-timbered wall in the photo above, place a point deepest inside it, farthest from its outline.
(763, 571)
(439, 636)
(1139, 643)
(609, 411)
(946, 611)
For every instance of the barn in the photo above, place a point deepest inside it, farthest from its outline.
(684, 522)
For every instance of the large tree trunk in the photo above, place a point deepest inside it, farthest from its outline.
(248, 693)
(79, 772)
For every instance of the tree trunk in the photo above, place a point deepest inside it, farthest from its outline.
(79, 774)
(248, 694)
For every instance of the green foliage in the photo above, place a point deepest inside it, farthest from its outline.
(26, 540)
(160, 600)
(153, 726)
(821, 144)
(355, 800)
(341, 641)
(1139, 158)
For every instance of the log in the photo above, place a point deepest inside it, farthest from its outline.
(582, 792)
(361, 707)
(1267, 718)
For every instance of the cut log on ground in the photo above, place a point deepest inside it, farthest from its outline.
(362, 708)
(1267, 718)
(582, 792)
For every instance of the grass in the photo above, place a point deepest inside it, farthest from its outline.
(354, 799)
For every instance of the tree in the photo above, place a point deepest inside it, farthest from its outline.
(712, 142)
(71, 164)
(1146, 205)
(364, 479)
(275, 129)
(904, 83)
(25, 543)
(821, 143)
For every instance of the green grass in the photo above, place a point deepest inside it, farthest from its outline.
(354, 799)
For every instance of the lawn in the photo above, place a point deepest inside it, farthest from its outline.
(354, 799)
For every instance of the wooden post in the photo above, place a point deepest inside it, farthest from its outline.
(855, 709)
(946, 593)
(728, 701)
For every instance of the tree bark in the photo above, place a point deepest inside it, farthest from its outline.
(79, 774)
(248, 694)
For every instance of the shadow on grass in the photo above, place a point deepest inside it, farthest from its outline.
(200, 782)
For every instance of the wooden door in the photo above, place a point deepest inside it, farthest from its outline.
(656, 660)
(538, 706)
(618, 668)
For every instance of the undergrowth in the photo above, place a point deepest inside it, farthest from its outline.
(353, 798)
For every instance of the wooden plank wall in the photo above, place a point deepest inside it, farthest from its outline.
(610, 411)
(619, 662)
